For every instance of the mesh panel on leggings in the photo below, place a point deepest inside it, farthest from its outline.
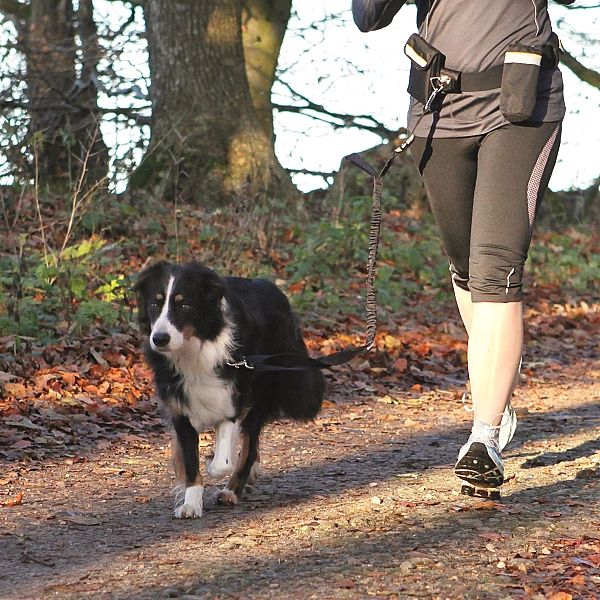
(535, 180)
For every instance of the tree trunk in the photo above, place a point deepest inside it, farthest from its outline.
(264, 23)
(64, 127)
(88, 118)
(51, 76)
(208, 143)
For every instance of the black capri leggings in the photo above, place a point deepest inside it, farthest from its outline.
(484, 192)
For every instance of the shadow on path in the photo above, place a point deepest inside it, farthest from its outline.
(408, 452)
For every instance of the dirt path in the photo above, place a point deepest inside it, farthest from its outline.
(361, 503)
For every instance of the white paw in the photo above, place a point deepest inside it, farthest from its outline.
(192, 503)
(219, 469)
(188, 511)
(227, 497)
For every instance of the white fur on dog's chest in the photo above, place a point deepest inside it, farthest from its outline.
(209, 397)
(210, 401)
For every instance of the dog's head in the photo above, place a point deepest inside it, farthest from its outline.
(179, 302)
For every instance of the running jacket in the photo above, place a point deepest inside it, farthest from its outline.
(473, 34)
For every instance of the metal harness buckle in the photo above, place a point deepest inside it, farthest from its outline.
(240, 364)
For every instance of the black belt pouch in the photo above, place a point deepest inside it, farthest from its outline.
(520, 76)
(425, 62)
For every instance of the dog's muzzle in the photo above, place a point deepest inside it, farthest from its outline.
(160, 341)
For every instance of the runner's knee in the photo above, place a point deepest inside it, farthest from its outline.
(496, 275)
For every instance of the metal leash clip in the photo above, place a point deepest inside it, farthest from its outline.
(439, 84)
(239, 365)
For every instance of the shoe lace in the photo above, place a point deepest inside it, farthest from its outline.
(488, 434)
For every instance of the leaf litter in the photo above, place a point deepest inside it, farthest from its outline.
(84, 412)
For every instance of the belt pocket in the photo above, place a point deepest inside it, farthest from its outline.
(520, 77)
(426, 63)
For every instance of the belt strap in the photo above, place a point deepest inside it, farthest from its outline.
(491, 79)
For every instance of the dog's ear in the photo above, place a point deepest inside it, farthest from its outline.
(210, 282)
(140, 288)
(216, 287)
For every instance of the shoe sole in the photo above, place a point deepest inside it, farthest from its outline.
(478, 469)
(476, 492)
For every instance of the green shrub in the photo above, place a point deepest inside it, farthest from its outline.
(46, 295)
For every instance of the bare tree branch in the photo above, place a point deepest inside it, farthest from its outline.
(363, 122)
(579, 7)
(132, 113)
(323, 174)
(584, 73)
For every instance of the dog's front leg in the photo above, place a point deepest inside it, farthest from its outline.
(226, 437)
(187, 468)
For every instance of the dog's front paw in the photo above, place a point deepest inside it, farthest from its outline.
(227, 497)
(192, 503)
(188, 511)
(220, 469)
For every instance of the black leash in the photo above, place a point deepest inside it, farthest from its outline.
(285, 362)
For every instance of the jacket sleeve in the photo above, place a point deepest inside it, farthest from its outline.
(370, 15)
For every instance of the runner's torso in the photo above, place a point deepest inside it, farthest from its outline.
(473, 34)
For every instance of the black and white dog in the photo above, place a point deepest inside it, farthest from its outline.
(198, 324)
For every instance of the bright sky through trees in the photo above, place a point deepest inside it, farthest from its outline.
(329, 61)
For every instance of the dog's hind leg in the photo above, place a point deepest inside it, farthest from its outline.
(255, 470)
(226, 437)
(187, 468)
(231, 494)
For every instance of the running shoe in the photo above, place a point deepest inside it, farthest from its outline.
(479, 460)
(508, 424)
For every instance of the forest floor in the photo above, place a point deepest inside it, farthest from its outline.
(360, 503)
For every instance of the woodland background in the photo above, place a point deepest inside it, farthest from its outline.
(132, 131)
(169, 104)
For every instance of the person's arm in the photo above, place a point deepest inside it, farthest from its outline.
(370, 15)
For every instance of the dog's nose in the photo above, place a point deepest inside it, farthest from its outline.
(161, 340)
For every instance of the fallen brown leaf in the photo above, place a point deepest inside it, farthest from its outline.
(18, 499)
(400, 365)
(595, 558)
(561, 596)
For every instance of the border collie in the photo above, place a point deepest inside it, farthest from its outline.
(198, 325)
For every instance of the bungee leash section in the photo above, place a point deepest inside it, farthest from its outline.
(260, 363)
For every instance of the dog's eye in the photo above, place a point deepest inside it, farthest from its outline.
(185, 306)
(154, 305)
